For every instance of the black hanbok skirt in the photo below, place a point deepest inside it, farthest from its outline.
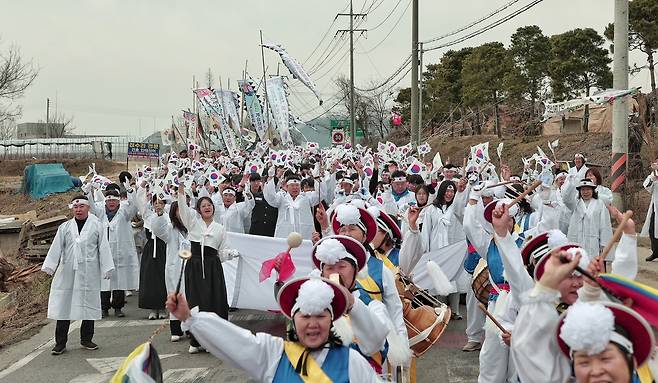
(152, 287)
(208, 293)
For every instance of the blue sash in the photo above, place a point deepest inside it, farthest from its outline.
(375, 267)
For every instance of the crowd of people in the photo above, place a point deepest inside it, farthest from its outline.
(374, 220)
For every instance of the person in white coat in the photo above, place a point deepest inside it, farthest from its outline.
(590, 222)
(171, 229)
(78, 259)
(604, 193)
(442, 226)
(650, 228)
(295, 207)
(232, 214)
(580, 169)
(397, 198)
(116, 219)
(313, 354)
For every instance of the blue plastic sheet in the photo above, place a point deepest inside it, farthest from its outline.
(40, 180)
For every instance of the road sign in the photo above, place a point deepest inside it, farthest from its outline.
(143, 150)
(337, 137)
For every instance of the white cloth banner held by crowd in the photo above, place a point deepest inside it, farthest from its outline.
(241, 274)
(295, 68)
(278, 102)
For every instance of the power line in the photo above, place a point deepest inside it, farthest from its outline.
(387, 16)
(485, 18)
(325, 35)
(487, 27)
(328, 110)
(389, 32)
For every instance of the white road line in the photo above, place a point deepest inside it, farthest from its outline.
(37, 351)
(185, 375)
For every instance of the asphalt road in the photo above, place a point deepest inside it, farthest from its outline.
(31, 361)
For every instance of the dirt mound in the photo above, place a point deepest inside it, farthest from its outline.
(74, 167)
(28, 314)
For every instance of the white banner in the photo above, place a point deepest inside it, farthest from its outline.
(242, 286)
(278, 102)
(230, 105)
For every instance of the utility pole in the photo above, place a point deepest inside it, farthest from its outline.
(620, 106)
(420, 94)
(415, 124)
(351, 31)
(47, 117)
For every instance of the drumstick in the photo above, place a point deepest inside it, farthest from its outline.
(493, 319)
(500, 184)
(485, 166)
(525, 193)
(464, 167)
(617, 235)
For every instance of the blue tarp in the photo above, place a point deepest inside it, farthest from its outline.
(40, 180)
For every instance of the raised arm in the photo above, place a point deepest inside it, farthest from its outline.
(270, 194)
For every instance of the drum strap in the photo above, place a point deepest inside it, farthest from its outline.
(425, 333)
(312, 371)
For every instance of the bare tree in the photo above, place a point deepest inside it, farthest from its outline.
(7, 129)
(16, 75)
(62, 124)
(372, 108)
(379, 109)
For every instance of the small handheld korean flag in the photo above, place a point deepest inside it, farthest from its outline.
(437, 162)
(416, 167)
(214, 176)
(499, 150)
(480, 153)
(252, 167)
(424, 149)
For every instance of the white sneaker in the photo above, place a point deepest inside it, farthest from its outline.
(194, 350)
(162, 315)
(129, 293)
(175, 338)
(153, 315)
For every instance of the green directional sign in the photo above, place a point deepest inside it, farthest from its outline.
(345, 125)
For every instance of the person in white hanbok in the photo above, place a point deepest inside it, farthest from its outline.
(232, 214)
(397, 198)
(604, 193)
(116, 219)
(580, 169)
(171, 229)
(650, 228)
(590, 222)
(442, 226)
(313, 353)
(295, 207)
(79, 258)
(205, 286)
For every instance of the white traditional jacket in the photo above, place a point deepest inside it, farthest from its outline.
(233, 217)
(590, 222)
(294, 214)
(119, 233)
(651, 186)
(80, 261)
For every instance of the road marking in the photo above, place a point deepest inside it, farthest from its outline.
(185, 375)
(107, 365)
(36, 352)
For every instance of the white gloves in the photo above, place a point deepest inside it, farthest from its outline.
(108, 275)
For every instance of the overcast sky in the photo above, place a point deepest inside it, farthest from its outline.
(116, 65)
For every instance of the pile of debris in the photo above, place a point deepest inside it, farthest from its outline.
(37, 236)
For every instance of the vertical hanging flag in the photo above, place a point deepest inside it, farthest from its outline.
(213, 107)
(191, 124)
(295, 68)
(254, 108)
(230, 106)
(278, 102)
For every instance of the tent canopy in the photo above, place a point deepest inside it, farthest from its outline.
(40, 180)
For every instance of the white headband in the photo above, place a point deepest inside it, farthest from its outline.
(228, 191)
(112, 197)
(347, 180)
(78, 202)
(293, 181)
(400, 179)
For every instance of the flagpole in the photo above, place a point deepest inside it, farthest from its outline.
(262, 56)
